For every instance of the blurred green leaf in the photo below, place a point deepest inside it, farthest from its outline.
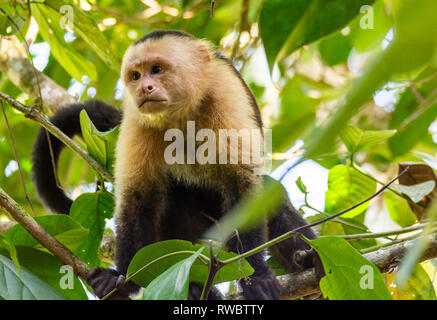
(404, 54)
(88, 30)
(365, 39)
(254, 208)
(49, 28)
(335, 49)
(287, 25)
(399, 210)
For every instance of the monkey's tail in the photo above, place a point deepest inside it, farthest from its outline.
(104, 118)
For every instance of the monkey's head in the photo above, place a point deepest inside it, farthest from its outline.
(166, 72)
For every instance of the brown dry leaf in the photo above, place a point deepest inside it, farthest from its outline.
(418, 172)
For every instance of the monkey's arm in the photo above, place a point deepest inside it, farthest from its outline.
(286, 252)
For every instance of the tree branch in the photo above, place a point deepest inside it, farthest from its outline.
(42, 236)
(14, 63)
(304, 283)
(34, 114)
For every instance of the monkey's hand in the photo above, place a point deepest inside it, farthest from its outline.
(261, 287)
(304, 259)
(103, 281)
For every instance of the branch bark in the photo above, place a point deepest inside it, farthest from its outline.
(42, 236)
(386, 260)
(14, 63)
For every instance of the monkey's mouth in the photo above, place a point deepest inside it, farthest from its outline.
(152, 104)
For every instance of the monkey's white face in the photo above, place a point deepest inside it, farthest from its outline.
(146, 80)
(165, 75)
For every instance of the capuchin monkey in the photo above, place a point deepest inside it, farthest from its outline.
(172, 77)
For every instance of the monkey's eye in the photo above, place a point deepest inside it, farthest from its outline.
(156, 69)
(136, 75)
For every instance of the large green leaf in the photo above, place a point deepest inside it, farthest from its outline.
(405, 53)
(91, 210)
(349, 276)
(87, 29)
(67, 231)
(253, 209)
(347, 187)
(49, 28)
(287, 25)
(172, 284)
(152, 260)
(297, 111)
(48, 269)
(27, 286)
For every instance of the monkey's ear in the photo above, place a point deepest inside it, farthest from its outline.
(204, 53)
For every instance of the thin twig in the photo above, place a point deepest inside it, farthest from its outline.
(14, 147)
(35, 114)
(212, 7)
(297, 231)
(35, 73)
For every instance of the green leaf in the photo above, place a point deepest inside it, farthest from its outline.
(10, 247)
(27, 286)
(368, 39)
(87, 29)
(172, 284)
(347, 187)
(399, 210)
(49, 28)
(152, 260)
(254, 208)
(91, 210)
(349, 276)
(301, 185)
(335, 49)
(100, 145)
(297, 111)
(7, 27)
(48, 269)
(411, 118)
(287, 25)
(357, 140)
(67, 231)
(420, 285)
(403, 55)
